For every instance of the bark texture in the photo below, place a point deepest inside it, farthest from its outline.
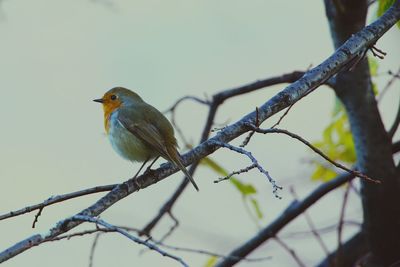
(373, 145)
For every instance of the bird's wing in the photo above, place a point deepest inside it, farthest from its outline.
(145, 131)
(148, 126)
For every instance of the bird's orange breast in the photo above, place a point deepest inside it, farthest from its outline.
(109, 107)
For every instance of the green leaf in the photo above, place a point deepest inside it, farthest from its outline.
(321, 173)
(375, 89)
(214, 166)
(384, 5)
(337, 143)
(245, 189)
(211, 261)
(256, 207)
(373, 66)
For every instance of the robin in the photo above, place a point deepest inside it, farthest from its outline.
(138, 131)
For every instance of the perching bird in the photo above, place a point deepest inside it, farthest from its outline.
(138, 131)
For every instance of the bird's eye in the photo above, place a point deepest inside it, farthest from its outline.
(113, 97)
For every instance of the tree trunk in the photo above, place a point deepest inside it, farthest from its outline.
(381, 202)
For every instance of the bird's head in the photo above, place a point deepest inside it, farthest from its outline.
(117, 97)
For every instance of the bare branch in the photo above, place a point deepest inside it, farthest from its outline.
(239, 150)
(377, 52)
(312, 226)
(56, 199)
(316, 150)
(37, 217)
(217, 100)
(282, 117)
(295, 209)
(210, 253)
(289, 214)
(290, 251)
(248, 168)
(126, 234)
(93, 248)
(321, 230)
(250, 135)
(340, 225)
(395, 76)
(311, 80)
(220, 97)
(171, 230)
(189, 97)
(396, 122)
(158, 243)
(355, 248)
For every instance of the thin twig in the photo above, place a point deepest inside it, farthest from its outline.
(310, 224)
(395, 76)
(253, 217)
(56, 199)
(93, 248)
(377, 52)
(210, 253)
(99, 230)
(182, 99)
(328, 80)
(316, 150)
(395, 124)
(37, 217)
(353, 64)
(248, 168)
(321, 230)
(171, 229)
(216, 101)
(291, 212)
(290, 251)
(126, 234)
(248, 137)
(91, 231)
(79, 234)
(283, 116)
(340, 225)
(275, 187)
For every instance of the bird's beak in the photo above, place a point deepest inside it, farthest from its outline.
(100, 100)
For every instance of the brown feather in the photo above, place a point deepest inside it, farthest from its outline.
(157, 134)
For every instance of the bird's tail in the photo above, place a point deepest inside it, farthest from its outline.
(176, 159)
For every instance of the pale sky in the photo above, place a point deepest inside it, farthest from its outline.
(56, 56)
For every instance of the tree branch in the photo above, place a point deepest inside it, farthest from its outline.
(98, 231)
(56, 199)
(396, 122)
(354, 248)
(239, 150)
(216, 101)
(128, 235)
(339, 251)
(295, 209)
(290, 251)
(312, 227)
(316, 150)
(291, 94)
